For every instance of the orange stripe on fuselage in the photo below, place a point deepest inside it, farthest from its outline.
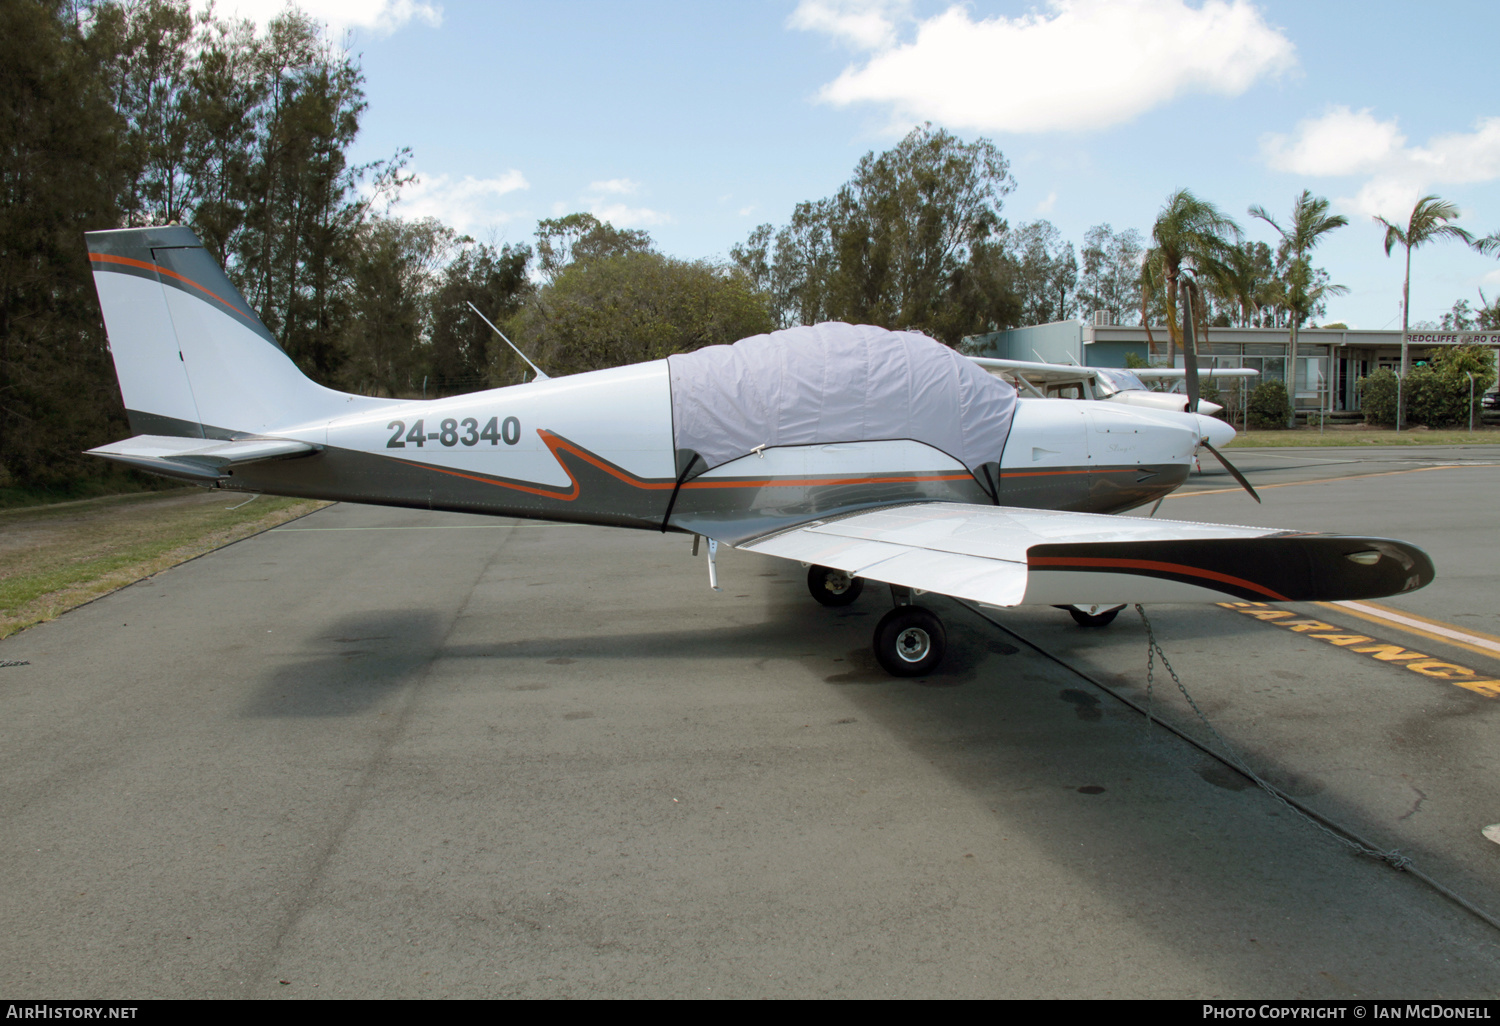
(1085, 563)
(554, 444)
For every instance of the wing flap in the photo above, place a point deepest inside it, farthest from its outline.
(198, 459)
(1005, 557)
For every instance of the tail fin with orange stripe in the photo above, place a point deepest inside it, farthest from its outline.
(192, 357)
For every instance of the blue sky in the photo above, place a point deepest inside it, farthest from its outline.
(699, 120)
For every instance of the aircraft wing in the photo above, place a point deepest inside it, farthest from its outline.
(198, 459)
(1003, 556)
(1035, 372)
(1180, 373)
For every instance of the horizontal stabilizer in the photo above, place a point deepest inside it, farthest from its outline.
(1007, 557)
(198, 459)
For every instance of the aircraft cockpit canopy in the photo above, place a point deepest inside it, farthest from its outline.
(1109, 380)
(827, 383)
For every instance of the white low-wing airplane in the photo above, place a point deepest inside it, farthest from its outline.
(1108, 384)
(865, 453)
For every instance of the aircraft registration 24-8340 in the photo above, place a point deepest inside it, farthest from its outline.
(869, 455)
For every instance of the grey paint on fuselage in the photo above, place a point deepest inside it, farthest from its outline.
(731, 509)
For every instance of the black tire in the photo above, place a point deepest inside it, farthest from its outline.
(1103, 619)
(833, 587)
(910, 641)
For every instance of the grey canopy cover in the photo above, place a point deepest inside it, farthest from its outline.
(836, 383)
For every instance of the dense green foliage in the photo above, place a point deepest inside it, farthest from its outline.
(635, 306)
(56, 120)
(913, 240)
(134, 113)
(1378, 394)
(1437, 393)
(1268, 408)
(1441, 391)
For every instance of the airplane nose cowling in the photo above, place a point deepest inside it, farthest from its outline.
(1218, 433)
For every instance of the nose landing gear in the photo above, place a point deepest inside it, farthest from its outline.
(833, 587)
(1093, 616)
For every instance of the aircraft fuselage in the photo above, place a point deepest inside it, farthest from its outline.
(598, 448)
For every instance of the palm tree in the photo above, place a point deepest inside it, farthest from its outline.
(1489, 244)
(1309, 223)
(1188, 233)
(1244, 281)
(1429, 220)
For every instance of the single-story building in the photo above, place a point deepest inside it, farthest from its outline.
(1329, 360)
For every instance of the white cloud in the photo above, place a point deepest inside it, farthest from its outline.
(1046, 205)
(1344, 143)
(614, 186)
(1341, 142)
(379, 16)
(598, 198)
(1083, 64)
(865, 24)
(621, 216)
(467, 205)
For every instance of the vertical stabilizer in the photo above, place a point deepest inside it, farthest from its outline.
(192, 357)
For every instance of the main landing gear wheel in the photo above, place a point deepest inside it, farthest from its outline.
(1093, 616)
(833, 587)
(910, 641)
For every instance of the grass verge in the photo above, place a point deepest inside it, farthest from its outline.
(1359, 435)
(56, 558)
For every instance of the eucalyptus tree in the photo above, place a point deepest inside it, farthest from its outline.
(911, 241)
(1046, 272)
(1111, 276)
(1190, 235)
(396, 269)
(631, 307)
(148, 54)
(1429, 221)
(1310, 221)
(61, 173)
(464, 350)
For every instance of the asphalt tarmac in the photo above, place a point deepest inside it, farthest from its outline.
(382, 753)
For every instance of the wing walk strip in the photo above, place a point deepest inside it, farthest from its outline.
(1382, 651)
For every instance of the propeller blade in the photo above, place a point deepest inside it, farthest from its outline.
(1231, 468)
(1189, 346)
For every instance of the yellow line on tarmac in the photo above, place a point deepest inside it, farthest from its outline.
(1329, 480)
(1395, 655)
(1411, 623)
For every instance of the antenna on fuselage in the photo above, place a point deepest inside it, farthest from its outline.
(539, 375)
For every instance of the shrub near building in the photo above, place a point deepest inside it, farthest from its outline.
(1440, 391)
(1436, 394)
(1378, 397)
(1269, 408)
